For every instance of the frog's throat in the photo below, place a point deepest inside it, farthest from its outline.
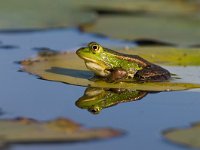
(97, 69)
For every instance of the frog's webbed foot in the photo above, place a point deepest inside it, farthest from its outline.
(153, 73)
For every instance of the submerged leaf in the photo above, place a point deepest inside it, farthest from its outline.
(184, 136)
(68, 68)
(25, 130)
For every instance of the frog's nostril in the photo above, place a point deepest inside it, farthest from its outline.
(78, 51)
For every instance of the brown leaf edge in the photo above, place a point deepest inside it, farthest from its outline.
(61, 123)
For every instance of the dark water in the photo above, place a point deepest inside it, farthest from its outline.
(25, 95)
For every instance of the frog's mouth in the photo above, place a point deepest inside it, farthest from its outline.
(98, 67)
(86, 59)
(93, 63)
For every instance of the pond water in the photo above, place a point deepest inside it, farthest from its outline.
(25, 95)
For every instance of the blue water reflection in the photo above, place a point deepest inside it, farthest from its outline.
(24, 95)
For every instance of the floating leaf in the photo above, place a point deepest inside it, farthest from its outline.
(68, 68)
(24, 130)
(161, 28)
(31, 15)
(143, 19)
(171, 56)
(136, 20)
(175, 7)
(185, 136)
(22, 14)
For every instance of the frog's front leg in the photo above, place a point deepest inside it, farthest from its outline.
(111, 75)
(101, 75)
(117, 74)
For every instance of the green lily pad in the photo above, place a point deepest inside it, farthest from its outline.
(28, 15)
(184, 136)
(161, 28)
(25, 130)
(22, 14)
(136, 20)
(68, 68)
(170, 56)
(175, 7)
(133, 20)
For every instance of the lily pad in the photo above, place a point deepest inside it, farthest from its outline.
(178, 30)
(136, 20)
(25, 130)
(170, 56)
(32, 15)
(185, 136)
(175, 7)
(143, 19)
(68, 68)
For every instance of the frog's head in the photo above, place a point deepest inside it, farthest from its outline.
(95, 109)
(92, 100)
(95, 58)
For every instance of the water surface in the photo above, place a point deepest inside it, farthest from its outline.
(25, 95)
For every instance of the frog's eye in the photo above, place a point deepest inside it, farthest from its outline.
(95, 47)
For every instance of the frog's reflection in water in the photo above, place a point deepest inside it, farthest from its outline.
(96, 99)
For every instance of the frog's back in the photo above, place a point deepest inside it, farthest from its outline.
(150, 71)
(132, 58)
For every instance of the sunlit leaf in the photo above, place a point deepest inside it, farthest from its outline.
(24, 130)
(184, 136)
(170, 56)
(68, 68)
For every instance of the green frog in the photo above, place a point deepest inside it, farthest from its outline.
(115, 66)
(96, 99)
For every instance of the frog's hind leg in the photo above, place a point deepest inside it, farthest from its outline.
(153, 73)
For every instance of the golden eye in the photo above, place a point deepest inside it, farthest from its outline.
(95, 47)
